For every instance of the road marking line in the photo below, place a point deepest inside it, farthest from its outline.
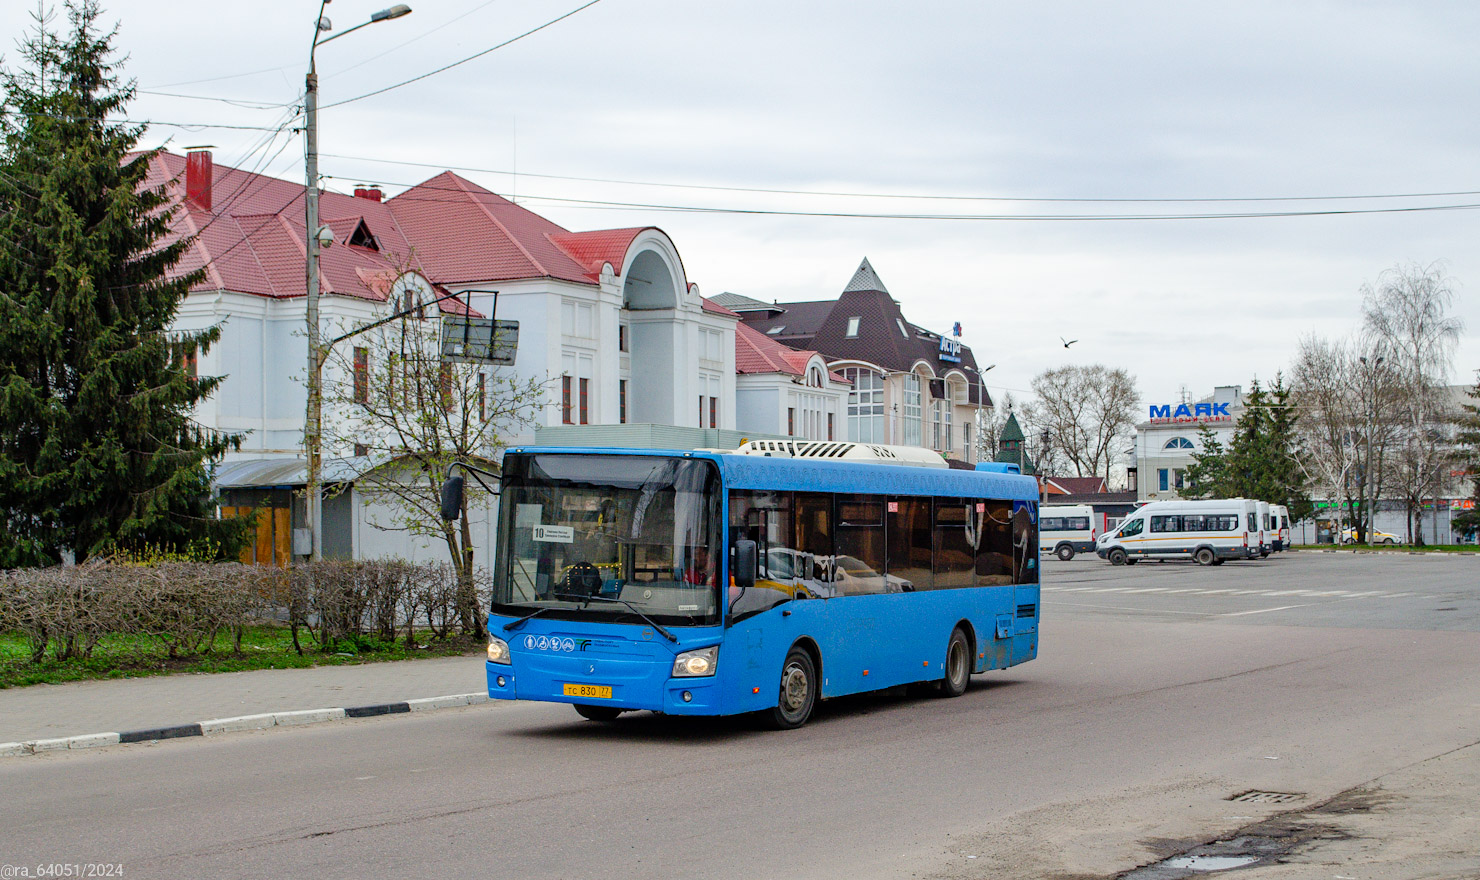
(1137, 610)
(1263, 610)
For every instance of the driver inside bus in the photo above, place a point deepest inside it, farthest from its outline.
(701, 568)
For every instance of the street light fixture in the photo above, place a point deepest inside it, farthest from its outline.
(313, 422)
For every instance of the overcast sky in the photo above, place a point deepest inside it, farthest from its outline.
(1025, 103)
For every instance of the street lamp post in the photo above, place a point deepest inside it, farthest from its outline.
(313, 421)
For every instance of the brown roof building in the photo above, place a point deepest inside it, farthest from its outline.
(910, 386)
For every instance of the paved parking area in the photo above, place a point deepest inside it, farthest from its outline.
(1296, 588)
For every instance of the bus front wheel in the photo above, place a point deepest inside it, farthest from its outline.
(1117, 557)
(958, 665)
(1065, 552)
(798, 691)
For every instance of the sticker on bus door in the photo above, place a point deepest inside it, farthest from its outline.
(555, 534)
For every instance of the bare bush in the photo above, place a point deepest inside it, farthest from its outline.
(182, 608)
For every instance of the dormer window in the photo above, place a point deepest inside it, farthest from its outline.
(361, 237)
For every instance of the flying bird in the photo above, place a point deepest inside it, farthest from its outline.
(1067, 342)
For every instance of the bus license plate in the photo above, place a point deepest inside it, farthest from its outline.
(590, 691)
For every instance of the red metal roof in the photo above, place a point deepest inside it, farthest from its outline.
(253, 239)
(755, 352)
(448, 228)
(716, 309)
(594, 249)
(464, 233)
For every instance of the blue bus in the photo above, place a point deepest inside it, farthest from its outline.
(698, 583)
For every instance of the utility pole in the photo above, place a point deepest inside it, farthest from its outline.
(1369, 478)
(313, 419)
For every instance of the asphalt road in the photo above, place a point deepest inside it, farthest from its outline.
(1161, 690)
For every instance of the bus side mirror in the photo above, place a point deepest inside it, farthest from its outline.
(452, 498)
(745, 564)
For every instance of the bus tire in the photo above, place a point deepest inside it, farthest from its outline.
(798, 691)
(1065, 552)
(597, 713)
(1117, 557)
(958, 665)
(1203, 556)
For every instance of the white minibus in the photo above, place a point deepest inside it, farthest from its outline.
(1281, 515)
(1266, 530)
(1208, 532)
(1066, 529)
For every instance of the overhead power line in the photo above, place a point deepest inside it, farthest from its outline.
(423, 189)
(919, 196)
(476, 55)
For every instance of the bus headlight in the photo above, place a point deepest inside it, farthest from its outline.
(694, 664)
(498, 650)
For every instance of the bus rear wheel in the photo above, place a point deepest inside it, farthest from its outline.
(597, 713)
(1117, 557)
(958, 665)
(798, 693)
(1065, 552)
(1203, 556)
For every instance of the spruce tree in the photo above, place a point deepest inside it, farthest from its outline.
(1261, 460)
(98, 450)
(1207, 476)
(1467, 457)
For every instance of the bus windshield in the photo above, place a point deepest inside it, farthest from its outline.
(577, 532)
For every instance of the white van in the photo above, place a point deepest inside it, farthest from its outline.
(1066, 529)
(1266, 530)
(1208, 532)
(1281, 515)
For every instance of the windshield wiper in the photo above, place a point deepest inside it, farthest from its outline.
(577, 597)
(535, 613)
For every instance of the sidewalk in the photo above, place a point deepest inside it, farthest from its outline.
(89, 707)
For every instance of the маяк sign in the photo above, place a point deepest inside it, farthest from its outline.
(1196, 412)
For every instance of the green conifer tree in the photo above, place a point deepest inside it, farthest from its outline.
(1467, 456)
(1261, 461)
(1207, 476)
(97, 446)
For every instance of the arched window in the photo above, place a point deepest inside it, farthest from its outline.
(814, 377)
(1178, 443)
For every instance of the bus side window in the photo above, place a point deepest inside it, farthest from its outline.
(910, 543)
(813, 516)
(956, 541)
(763, 518)
(994, 557)
(860, 558)
(1025, 545)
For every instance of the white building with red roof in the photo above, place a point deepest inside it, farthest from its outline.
(609, 322)
(784, 391)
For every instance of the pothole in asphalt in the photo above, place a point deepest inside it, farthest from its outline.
(1211, 863)
(1270, 840)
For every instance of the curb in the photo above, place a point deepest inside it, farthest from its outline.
(217, 726)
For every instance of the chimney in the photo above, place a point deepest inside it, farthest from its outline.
(198, 179)
(368, 192)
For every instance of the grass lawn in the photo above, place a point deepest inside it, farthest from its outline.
(263, 647)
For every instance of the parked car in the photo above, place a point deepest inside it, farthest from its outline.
(1373, 537)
